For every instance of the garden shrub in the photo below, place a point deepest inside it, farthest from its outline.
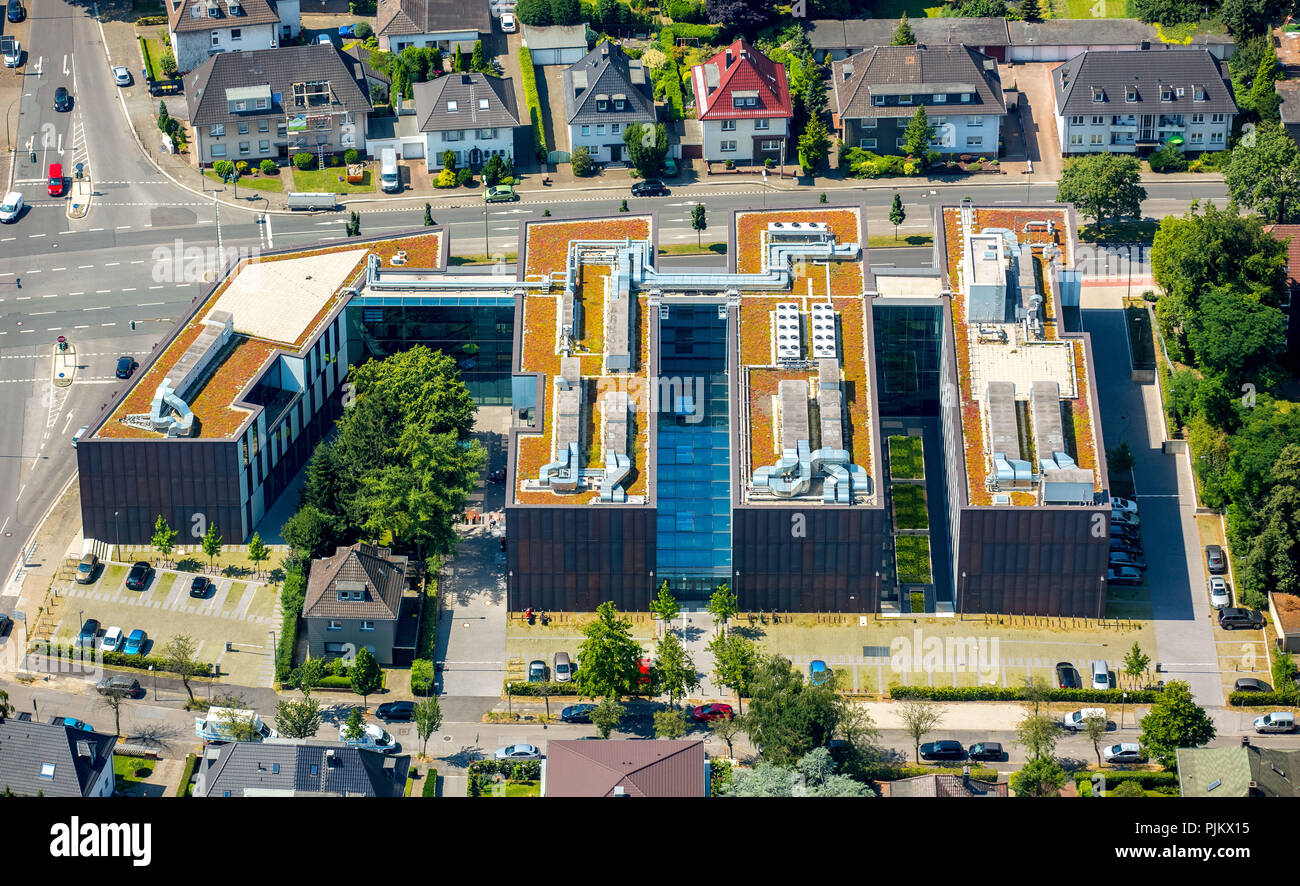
(304, 160)
(351, 155)
(268, 166)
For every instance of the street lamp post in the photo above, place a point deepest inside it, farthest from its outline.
(117, 531)
(1122, 704)
(155, 682)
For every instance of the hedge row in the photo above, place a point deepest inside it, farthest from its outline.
(430, 786)
(704, 33)
(1148, 780)
(116, 659)
(895, 773)
(191, 761)
(1261, 699)
(292, 597)
(528, 770)
(672, 77)
(998, 693)
(145, 21)
(519, 687)
(529, 75)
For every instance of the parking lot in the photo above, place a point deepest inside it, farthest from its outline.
(239, 612)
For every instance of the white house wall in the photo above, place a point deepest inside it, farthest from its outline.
(743, 135)
(192, 48)
(502, 143)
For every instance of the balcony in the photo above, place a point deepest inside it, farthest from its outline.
(1171, 123)
(1124, 122)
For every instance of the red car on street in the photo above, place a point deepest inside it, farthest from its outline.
(706, 712)
(54, 185)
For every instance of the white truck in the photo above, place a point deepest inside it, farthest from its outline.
(225, 724)
(373, 738)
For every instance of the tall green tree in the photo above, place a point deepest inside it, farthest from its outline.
(607, 715)
(428, 720)
(211, 543)
(1031, 10)
(903, 35)
(258, 552)
(164, 538)
(354, 727)
(6, 708)
(814, 146)
(478, 61)
(897, 215)
(1236, 336)
(788, 717)
(1265, 176)
(664, 605)
(428, 215)
(723, 605)
(919, 134)
(1104, 186)
(670, 724)
(1263, 96)
(1136, 663)
(647, 145)
(309, 532)
(609, 655)
(919, 719)
(674, 670)
(698, 222)
(1042, 777)
(1095, 728)
(179, 657)
(1174, 721)
(536, 13)
(566, 12)
(727, 728)
(298, 718)
(1038, 734)
(308, 676)
(735, 663)
(364, 675)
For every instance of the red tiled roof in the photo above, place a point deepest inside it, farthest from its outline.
(1281, 232)
(634, 768)
(749, 70)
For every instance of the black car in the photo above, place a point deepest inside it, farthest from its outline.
(1250, 684)
(1233, 617)
(1067, 676)
(125, 366)
(986, 750)
(1125, 530)
(62, 99)
(651, 187)
(577, 713)
(5, 624)
(128, 686)
(1125, 546)
(139, 575)
(942, 750)
(16, 13)
(200, 586)
(1215, 561)
(396, 710)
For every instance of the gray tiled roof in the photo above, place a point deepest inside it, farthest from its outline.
(382, 574)
(25, 746)
(466, 90)
(396, 17)
(1289, 109)
(251, 12)
(298, 767)
(205, 88)
(555, 36)
(946, 786)
(1115, 70)
(938, 68)
(608, 71)
(860, 33)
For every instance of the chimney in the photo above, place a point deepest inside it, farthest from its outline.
(728, 58)
(1146, 44)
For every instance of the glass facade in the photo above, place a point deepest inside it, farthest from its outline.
(477, 331)
(907, 358)
(693, 471)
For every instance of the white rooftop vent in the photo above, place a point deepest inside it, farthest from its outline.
(788, 345)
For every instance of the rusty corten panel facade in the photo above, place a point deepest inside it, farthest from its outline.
(1033, 561)
(141, 479)
(575, 558)
(813, 559)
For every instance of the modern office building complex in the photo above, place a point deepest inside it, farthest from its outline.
(816, 434)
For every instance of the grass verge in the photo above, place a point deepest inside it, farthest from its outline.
(332, 179)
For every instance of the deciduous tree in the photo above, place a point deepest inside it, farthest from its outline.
(164, 537)
(919, 719)
(364, 674)
(1174, 721)
(428, 720)
(1104, 186)
(735, 662)
(674, 671)
(1265, 176)
(1041, 777)
(607, 715)
(179, 657)
(609, 655)
(298, 718)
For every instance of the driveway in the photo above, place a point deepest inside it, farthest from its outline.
(1036, 118)
(1131, 413)
(550, 91)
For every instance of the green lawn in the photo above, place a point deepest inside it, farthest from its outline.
(1142, 232)
(1089, 8)
(912, 8)
(455, 260)
(909, 507)
(887, 241)
(153, 56)
(126, 768)
(913, 554)
(522, 789)
(258, 183)
(906, 458)
(688, 249)
(332, 179)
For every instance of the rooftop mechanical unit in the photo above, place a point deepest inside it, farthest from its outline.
(823, 331)
(788, 333)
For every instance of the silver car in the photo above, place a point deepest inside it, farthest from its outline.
(518, 752)
(1122, 753)
(121, 75)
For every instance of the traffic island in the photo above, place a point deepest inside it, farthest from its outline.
(64, 368)
(79, 205)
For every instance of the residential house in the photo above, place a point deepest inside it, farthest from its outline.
(625, 768)
(742, 99)
(54, 760)
(556, 44)
(277, 102)
(1134, 102)
(445, 24)
(1242, 770)
(471, 115)
(1288, 91)
(295, 767)
(878, 91)
(354, 599)
(1290, 302)
(836, 39)
(943, 786)
(604, 93)
(200, 28)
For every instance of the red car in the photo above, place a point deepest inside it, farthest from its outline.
(643, 672)
(706, 712)
(55, 183)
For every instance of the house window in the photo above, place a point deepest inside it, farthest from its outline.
(770, 144)
(47, 770)
(974, 141)
(263, 125)
(451, 135)
(904, 99)
(235, 34)
(1076, 121)
(1130, 93)
(1196, 138)
(1098, 94)
(243, 148)
(1098, 121)
(243, 128)
(1096, 138)
(878, 99)
(1216, 118)
(367, 626)
(452, 108)
(334, 625)
(1076, 139)
(218, 150)
(1166, 94)
(616, 128)
(619, 104)
(1216, 138)
(728, 146)
(867, 144)
(216, 38)
(322, 122)
(1199, 94)
(262, 104)
(974, 121)
(600, 129)
(281, 130)
(728, 125)
(1198, 118)
(241, 106)
(586, 130)
(940, 98)
(487, 133)
(264, 147)
(965, 96)
(868, 122)
(216, 130)
(330, 649)
(900, 142)
(482, 104)
(602, 106)
(762, 123)
(322, 139)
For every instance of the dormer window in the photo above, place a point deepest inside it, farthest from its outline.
(1166, 93)
(939, 98)
(351, 591)
(1199, 94)
(1098, 94)
(619, 104)
(965, 96)
(602, 106)
(452, 108)
(904, 99)
(878, 99)
(1130, 93)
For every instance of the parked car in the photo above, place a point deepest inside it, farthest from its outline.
(86, 569)
(1100, 674)
(1250, 684)
(73, 722)
(1126, 558)
(1124, 575)
(942, 750)
(200, 586)
(817, 672)
(373, 738)
(89, 631)
(643, 672)
(577, 713)
(12, 207)
(13, 53)
(1275, 721)
(121, 75)
(81, 432)
(62, 99)
(396, 710)
(1123, 504)
(5, 624)
(112, 641)
(651, 187)
(1067, 676)
(324, 40)
(1124, 530)
(1126, 752)
(560, 662)
(1124, 518)
(121, 683)
(508, 24)
(15, 12)
(706, 712)
(135, 643)
(1220, 596)
(54, 181)
(518, 752)
(986, 750)
(139, 575)
(1126, 545)
(500, 194)
(125, 366)
(1073, 721)
(1233, 617)
(536, 671)
(1215, 560)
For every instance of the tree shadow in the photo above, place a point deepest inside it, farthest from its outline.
(160, 737)
(189, 564)
(236, 571)
(465, 756)
(751, 632)
(690, 633)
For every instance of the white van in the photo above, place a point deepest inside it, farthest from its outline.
(1275, 721)
(389, 179)
(373, 738)
(1100, 675)
(224, 724)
